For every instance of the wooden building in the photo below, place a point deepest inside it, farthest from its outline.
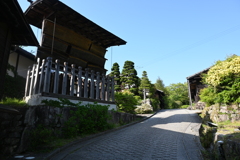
(14, 30)
(21, 60)
(195, 85)
(160, 94)
(69, 36)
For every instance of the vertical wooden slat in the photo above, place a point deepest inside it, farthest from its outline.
(79, 89)
(97, 85)
(112, 89)
(86, 84)
(47, 75)
(72, 80)
(103, 88)
(41, 80)
(92, 85)
(64, 84)
(32, 79)
(27, 81)
(36, 81)
(56, 78)
(108, 88)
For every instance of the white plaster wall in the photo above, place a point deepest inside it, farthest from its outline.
(37, 99)
(23, 64)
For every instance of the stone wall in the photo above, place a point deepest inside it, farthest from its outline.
(210, 136)
(17, 123)
(216, 113)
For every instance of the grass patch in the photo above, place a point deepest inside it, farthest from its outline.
(184, 106)
(13, 101)
(225, 124)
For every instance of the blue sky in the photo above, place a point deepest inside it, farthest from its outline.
(170, 39)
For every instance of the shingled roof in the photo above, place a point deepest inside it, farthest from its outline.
(67, 17)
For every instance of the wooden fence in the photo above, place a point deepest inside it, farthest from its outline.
(53, 77)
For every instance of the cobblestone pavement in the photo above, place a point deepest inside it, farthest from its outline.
(168, 135)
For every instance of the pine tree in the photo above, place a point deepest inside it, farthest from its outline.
(129, 79)
(116, 74)
(145, 83)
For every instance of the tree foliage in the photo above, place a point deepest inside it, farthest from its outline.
(116, 74)
(145, 82)
(177, 95)
(160, 85)
(129, 78)
(126, 102)
(223, 80)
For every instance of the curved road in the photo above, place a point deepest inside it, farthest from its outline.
(168, 135)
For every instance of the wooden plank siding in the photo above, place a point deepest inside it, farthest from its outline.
(71, 46)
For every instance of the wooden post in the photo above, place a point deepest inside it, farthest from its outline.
(56, 78)
(72, 80)
(92, 85)
(27, 81)
(97, 85)
(48, 75)
(36, 81)
(112, 89)
(189, 92)
(86, 84)
(79, 90)
(108, 88)
(32, 79)
(64, 84)
(41, 81)
(103, 88)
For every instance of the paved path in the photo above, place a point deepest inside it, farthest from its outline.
(168, 135)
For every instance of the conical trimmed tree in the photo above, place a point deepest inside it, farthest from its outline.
(116, 74)
(129, 79)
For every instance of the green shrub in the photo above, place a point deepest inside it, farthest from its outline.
(40, 136)
(184, 106)
(155, 104)
(223, 80)
(208, 96)
(126, 102)
(87, 119)
(14, 87)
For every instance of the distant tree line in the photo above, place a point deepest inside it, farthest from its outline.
(129, 86)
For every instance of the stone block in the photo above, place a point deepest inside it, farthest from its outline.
(223, 117)
(6, 116)
(11, 141)
(17, 117)
(15, 135)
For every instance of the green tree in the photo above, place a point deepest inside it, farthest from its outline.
(223, 80)
(129, 79)
(116, 74)
(145, 83)
(160, 85)
(177, 95)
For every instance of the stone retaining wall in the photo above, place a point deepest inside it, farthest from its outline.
(17, 123)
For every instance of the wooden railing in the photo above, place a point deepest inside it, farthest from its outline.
(53, 77)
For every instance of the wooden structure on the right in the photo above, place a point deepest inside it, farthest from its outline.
(195, 85)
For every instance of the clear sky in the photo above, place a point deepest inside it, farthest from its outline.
(170, 39)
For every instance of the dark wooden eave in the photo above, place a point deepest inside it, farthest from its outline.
(198, 75)
(67, 17)
(12, 14)
(23, 52)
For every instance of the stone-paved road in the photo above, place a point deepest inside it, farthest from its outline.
(168, 135)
